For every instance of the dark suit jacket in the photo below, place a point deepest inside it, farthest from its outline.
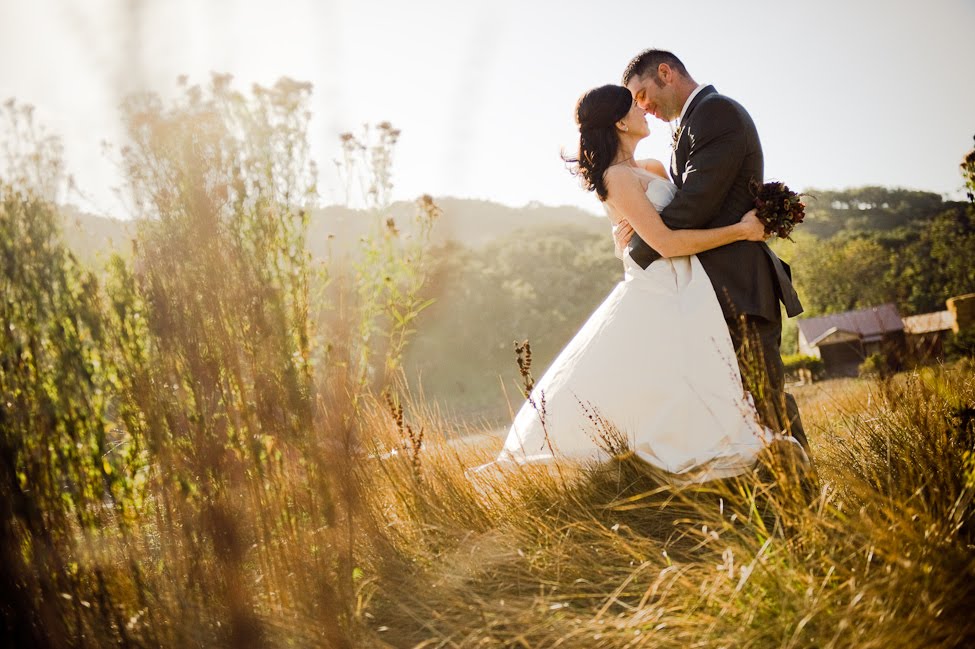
(717, 153)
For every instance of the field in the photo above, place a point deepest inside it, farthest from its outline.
(872, 556)
(208, 444)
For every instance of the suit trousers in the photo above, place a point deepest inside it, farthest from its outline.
(757, 341)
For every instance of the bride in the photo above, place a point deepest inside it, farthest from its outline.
(654, 364)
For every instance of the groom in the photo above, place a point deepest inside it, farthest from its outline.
(716, 153)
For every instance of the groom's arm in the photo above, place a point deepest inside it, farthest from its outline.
(718, 147)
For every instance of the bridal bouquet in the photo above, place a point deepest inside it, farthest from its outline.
(779, 208)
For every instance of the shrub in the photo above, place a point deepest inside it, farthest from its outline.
(960, 345)
(874, 365)
(178, 443)
(793, 363)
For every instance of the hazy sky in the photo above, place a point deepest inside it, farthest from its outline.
(844, 92)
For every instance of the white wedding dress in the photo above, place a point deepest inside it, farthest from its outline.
(656, 361)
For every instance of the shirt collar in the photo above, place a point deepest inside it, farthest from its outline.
(690, 98)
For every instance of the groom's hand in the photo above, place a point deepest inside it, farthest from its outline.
(622, 234)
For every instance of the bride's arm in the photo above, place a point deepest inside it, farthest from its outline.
(625, 193)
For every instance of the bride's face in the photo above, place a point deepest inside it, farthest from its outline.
(636, 121)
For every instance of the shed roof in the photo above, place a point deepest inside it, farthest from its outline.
(870, 324)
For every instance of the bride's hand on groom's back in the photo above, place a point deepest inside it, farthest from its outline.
(752, 228)
(622, 233)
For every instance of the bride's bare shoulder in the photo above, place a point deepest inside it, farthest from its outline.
(620, 173)
(655, 167)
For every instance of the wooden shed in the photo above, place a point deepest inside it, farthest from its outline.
(844, 340)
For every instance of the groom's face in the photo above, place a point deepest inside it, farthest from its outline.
(657, 97)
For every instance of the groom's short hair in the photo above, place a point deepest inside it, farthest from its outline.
(648, 61)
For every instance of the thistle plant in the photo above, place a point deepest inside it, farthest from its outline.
(393, 264)
(523, 356)
(411, 440)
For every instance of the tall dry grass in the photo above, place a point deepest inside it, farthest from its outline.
(211, 447)
(882, 555)
(178, 434)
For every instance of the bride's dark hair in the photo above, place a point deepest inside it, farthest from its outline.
(597, 112)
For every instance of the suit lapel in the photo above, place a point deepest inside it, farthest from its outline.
(678, 160)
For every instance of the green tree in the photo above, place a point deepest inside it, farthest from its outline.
(968, 172)
(839, 275)
(538, 284)
(937, 264)
(866, 209)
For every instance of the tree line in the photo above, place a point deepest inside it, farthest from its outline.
(858, 247)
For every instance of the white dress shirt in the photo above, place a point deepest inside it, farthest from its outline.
(687, 103)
